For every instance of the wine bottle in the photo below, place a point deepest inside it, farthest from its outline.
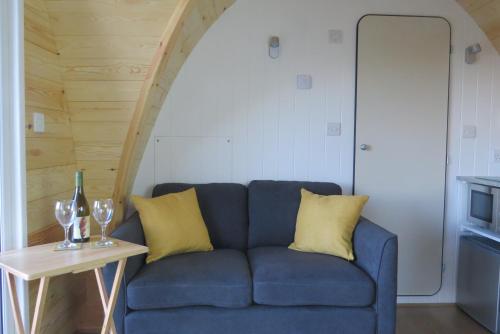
(80, 229)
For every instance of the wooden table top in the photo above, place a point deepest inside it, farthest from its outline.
(38, 261)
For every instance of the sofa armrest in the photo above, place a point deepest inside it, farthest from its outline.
(131, 231)
(376, 252)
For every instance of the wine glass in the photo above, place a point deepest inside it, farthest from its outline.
(65, 212)
(103, 213)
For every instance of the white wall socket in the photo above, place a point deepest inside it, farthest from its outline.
(333, 129)
(469, 131)
(335, 36)
(304, 81)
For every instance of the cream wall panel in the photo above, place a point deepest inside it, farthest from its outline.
(279, 132)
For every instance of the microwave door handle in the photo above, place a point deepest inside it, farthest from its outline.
(496, 209)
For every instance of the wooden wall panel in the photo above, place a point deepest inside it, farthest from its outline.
(111, 47)
(95, 69)
(37, 26)
(87, 63)
(50, 159)
(106, 48)
(487, 15)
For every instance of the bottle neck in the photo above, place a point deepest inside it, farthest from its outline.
(79, 183)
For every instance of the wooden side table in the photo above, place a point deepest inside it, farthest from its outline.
(43, 262)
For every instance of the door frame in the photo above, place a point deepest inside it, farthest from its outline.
(447, 131)
(13, 226)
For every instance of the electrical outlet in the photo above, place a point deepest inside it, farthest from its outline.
(496, 155)
(333, 129)
(335, 36)
(304, 81)
(469, 131)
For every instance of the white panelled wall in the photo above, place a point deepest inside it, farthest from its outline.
(244, 118)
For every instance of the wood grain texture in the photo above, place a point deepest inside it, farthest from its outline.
(487, 15)
(96, 69)
(87, 63)
(45, 182)
(14, 302)
(187, 25)
(50, 160)
(40, 305)
(118, 111)
(49, 152)
(37, 26)
(106, 49)
(57, 123)
(35, 262)
(44, 93)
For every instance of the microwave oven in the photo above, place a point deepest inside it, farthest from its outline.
(483, 206)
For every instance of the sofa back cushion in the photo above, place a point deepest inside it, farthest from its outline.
(224, 210)
(273, 207)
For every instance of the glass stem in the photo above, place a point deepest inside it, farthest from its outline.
(103, 232)
(66, 239)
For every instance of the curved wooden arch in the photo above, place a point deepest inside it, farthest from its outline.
(189, 22)
(486, 13)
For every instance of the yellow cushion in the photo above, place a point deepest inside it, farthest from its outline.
(325, 224)
(172, 224)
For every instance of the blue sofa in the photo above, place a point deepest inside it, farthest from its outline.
(252, 283)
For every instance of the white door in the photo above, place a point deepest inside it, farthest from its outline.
(401, 133)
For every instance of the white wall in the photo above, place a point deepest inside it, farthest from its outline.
(230, 91)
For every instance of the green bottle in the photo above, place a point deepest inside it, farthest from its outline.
(80, 229)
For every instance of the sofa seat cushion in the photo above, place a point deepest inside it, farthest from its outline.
(284, 277)
(219, 278)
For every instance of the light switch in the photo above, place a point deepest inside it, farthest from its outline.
(335, 36)
(304, 81)
(469, 131)
(38, 122)
(496, 155)
(333, 129)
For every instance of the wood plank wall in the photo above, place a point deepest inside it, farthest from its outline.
(50, 158)
(106, 48)
(86, 64)
(487, 15)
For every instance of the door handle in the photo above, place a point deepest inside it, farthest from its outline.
(364, 147)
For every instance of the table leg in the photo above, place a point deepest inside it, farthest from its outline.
(108, 312)
(14, 302)
(104, 296)
(40, 304)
